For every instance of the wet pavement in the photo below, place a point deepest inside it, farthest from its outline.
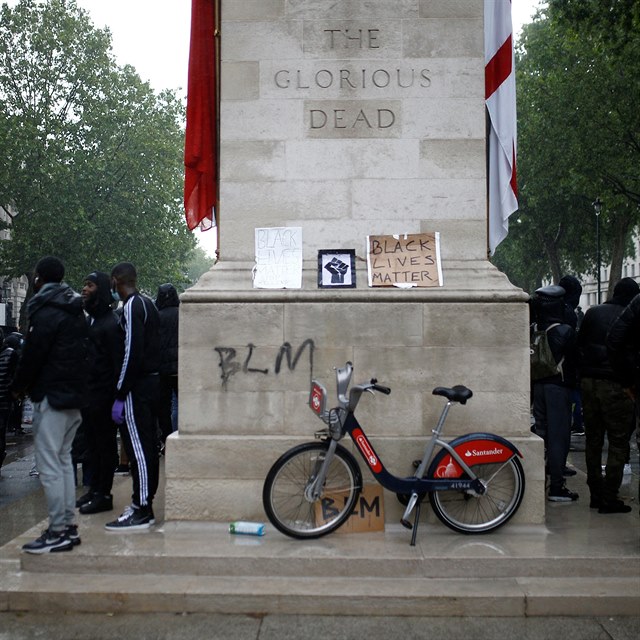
(22, 506)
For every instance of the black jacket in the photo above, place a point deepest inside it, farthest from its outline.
(168, 303)
(106, 345)
(623, 345)
(8, 362)
(140, 323)
(54, 357)
(592, 337)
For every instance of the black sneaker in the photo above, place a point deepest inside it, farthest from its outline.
(49, 542)
(562, 495)
(83, 499)
(617, 506)
(132, 519)
(568, 472)
(73, 535)
(122, 470)
(97, 504)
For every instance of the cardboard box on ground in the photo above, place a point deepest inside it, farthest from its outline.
(368, 514)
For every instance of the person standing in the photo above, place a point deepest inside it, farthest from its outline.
(623, 348)
(53, 371)
(137, 391)
(106, 347)
(8, 363)
(168, 302)
(552, 394)
(608, 410)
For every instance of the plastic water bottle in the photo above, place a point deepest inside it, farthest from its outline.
(247, 528)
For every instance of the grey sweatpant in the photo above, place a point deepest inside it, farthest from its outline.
(53, 433)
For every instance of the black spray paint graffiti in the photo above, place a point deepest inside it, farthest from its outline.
(230, 365)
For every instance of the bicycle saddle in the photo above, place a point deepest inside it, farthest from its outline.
(459, 393)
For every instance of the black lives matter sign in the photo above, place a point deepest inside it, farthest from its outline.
(407, 260)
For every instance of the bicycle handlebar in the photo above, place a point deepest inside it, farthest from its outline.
(357, 390)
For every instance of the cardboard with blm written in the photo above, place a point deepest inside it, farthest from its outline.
(405, 261)
(368, 514)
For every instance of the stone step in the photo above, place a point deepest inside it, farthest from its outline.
(112, 593)
(222, 555)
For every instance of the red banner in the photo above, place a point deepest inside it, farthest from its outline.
(200, 149)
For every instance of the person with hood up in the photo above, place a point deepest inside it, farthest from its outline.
(106, 348)
(552, 395)
(608, 410)
(53, 372)
(168, 302)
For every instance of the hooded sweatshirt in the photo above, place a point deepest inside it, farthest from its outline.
(106, 341)
(168, 302)
(54, 357)
(592, 349)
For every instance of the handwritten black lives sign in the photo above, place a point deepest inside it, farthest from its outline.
(405, 261)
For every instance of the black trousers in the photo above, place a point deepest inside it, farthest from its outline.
(102, 446)
(168, 386)
(140, 439)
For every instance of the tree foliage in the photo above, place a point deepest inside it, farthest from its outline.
(578, 78)
(91, 164)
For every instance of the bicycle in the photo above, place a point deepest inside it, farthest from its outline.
(475, 483)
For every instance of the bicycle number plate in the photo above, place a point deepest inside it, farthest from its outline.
(317, 398)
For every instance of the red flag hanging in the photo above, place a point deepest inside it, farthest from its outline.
(200, 149)
(500, 97)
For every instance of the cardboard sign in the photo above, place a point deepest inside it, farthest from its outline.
(278, 258)
(368, 514)
(406, 261)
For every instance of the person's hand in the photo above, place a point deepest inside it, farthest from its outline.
(117, 412)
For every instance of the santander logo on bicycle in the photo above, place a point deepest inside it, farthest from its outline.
(364, 446)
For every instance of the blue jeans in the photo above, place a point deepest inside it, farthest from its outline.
(53, 433)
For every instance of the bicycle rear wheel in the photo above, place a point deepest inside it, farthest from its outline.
(286, 502)
(467, 512)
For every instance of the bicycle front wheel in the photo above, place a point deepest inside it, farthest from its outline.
(287, 503)
(467, 512)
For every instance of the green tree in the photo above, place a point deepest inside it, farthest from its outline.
(91, 165)
(578, 140)
(199, 264)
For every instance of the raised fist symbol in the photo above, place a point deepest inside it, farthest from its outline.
(337, 269)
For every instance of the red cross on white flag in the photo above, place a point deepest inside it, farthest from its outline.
(500, 98)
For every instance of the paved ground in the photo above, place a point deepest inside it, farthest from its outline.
(276, 627)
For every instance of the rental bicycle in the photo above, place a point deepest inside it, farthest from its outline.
(475, 483)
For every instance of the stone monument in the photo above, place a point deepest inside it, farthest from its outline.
(345, 119)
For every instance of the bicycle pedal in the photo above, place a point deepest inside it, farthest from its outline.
(406, 524)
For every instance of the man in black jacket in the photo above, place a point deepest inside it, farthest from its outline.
(608, 410)
(106, 347)
(167, 302)
(53, 372)
(136, 397)
(552, 395)
(623, 348)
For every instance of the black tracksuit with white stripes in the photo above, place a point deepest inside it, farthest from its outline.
(138, 386)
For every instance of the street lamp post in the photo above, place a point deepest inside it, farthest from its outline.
(597, 207)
